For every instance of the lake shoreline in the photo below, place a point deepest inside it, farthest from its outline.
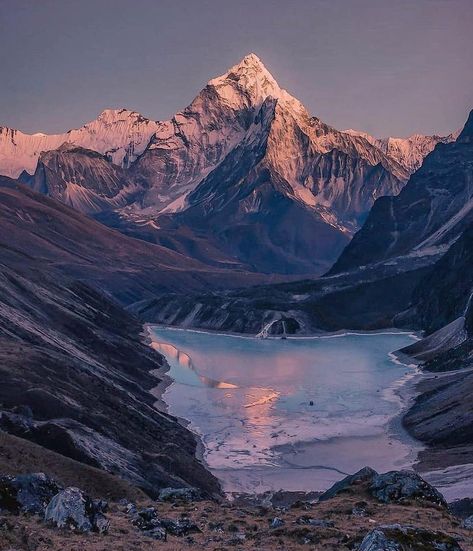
(158, 391)
(404, 389)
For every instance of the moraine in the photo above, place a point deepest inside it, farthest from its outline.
(291, 414)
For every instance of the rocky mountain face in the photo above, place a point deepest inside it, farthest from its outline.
(427, 216)
(76, 376)
(320, 182)
(82, 179)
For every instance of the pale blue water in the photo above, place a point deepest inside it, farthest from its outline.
(292, 414)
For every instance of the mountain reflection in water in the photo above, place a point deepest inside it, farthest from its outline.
(291, 414)
(182, 360)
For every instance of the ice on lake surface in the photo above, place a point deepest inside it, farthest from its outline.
(295, 414)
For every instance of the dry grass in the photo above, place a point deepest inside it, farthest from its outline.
(18, 456)
(26, 533)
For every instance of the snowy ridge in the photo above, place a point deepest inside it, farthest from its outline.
(408, 152)
(336, 175)
(119, 134)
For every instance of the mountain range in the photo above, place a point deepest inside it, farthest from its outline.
(245, 158)
(241, 212)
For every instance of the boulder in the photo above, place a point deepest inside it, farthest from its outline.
(318, 522)
(277, 522)
(376, 540)
(396, 537)
(468, 523)
(27, 493)
(364, 475)
(180, 494)
(398, 486)
(74, 510)
(181, 527)
(390, 487)
(148, 522)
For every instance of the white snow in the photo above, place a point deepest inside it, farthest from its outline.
(118, 133)
(408, 152)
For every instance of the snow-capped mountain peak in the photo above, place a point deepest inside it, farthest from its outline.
(249, 78)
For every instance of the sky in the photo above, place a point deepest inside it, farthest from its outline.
(388, 67)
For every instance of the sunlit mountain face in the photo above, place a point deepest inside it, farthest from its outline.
(243, 174)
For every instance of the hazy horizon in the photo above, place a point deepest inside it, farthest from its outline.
(390, 69)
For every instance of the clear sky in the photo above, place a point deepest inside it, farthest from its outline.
(389, 67)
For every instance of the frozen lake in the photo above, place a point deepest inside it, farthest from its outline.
(295, 414)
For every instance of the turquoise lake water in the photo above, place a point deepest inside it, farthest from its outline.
(293, 414)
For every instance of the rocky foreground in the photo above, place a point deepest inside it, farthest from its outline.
(366, 511)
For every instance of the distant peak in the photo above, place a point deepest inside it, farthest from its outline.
(466, 135)
(112, 115)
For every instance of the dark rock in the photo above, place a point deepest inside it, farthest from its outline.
(366, 474)
(101, 505)
(157, 533)
(73, 509)
(320, 523)
(26, 493)
(461, 508)
(101, 523)
(130, 509)
(146, 519)
(180, 494)
(181, 527)
(216, 526)
(396, 537)
(357, 512)
(377, 541)
(397, 486)
(277, 522)
(148, 522)
(468, 523)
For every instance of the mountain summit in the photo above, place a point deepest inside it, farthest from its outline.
(245, 167)
(249, 77)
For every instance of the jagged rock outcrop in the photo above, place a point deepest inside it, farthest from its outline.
(399, 486)
(26, 493)
(390, 487)
(363, 476)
